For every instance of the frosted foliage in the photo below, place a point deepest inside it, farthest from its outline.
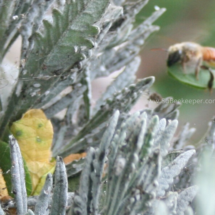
(135, 164)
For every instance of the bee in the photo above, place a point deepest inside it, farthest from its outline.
(193, 57)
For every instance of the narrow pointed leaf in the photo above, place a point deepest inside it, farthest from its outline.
(172, 170)
(59, 198)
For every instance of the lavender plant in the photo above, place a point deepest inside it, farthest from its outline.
(133, 165)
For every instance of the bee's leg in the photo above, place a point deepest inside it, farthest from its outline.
(184, 68)
(197, 68)
(211, 80)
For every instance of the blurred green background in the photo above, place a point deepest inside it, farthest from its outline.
(184, 20)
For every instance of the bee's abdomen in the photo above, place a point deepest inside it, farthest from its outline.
(209, 54)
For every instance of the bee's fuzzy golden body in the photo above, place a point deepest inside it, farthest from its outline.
(192, 56)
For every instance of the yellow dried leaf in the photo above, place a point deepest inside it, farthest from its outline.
(3, 188)
(73, 157)
(34, 133)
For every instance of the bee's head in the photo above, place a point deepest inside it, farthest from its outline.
(174, 56)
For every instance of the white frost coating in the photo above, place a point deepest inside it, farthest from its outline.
(95, 45)
(57, 98)
(83, 48)
(156, 7)
(102, 69)
(119, 166)
(137, 197)
(15, 17)
(48, 17)
(90, 53)
(37, 85)
(47, 92)
(161, 208)
(24, 72)
(19, 87)
(83, 57)
(22, 62)
(111, 13)
(76, 49)
(33, 94)
(8, 78)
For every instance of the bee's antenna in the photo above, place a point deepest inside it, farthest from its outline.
(159, 49)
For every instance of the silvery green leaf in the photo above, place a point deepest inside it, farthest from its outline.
(172, 170)
(65, 101)
(150, 136)
(75, 167)
(86, 81)
(8, 78)
(124, 79)
(54, 91)
(133, 7)
(170, 201)
(81, 200)
(78, 206)
(210, 135)
(30, 212)
(189, 211)
(184, 199)
(121, 101)
(91, 139)
(34, 15)
(60, 136)
(6, 11)
(18, 176)
(60, 195)
(109, 18)
(150, 172)
(205, 180)
(42, 206)
(115, 60)
(138, 31)
(158, 207)
(172, 154)
(161, 209)
(92, 173)
(184, 136)
(99, 161)
(160, 130)
(127, 173)
(167, 136)
(32, 201)
(167, 109)
(185, 179)
(118, 2)
(72, 110)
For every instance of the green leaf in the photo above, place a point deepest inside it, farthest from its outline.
(27, 179)
(189, 79)
(5, 165)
